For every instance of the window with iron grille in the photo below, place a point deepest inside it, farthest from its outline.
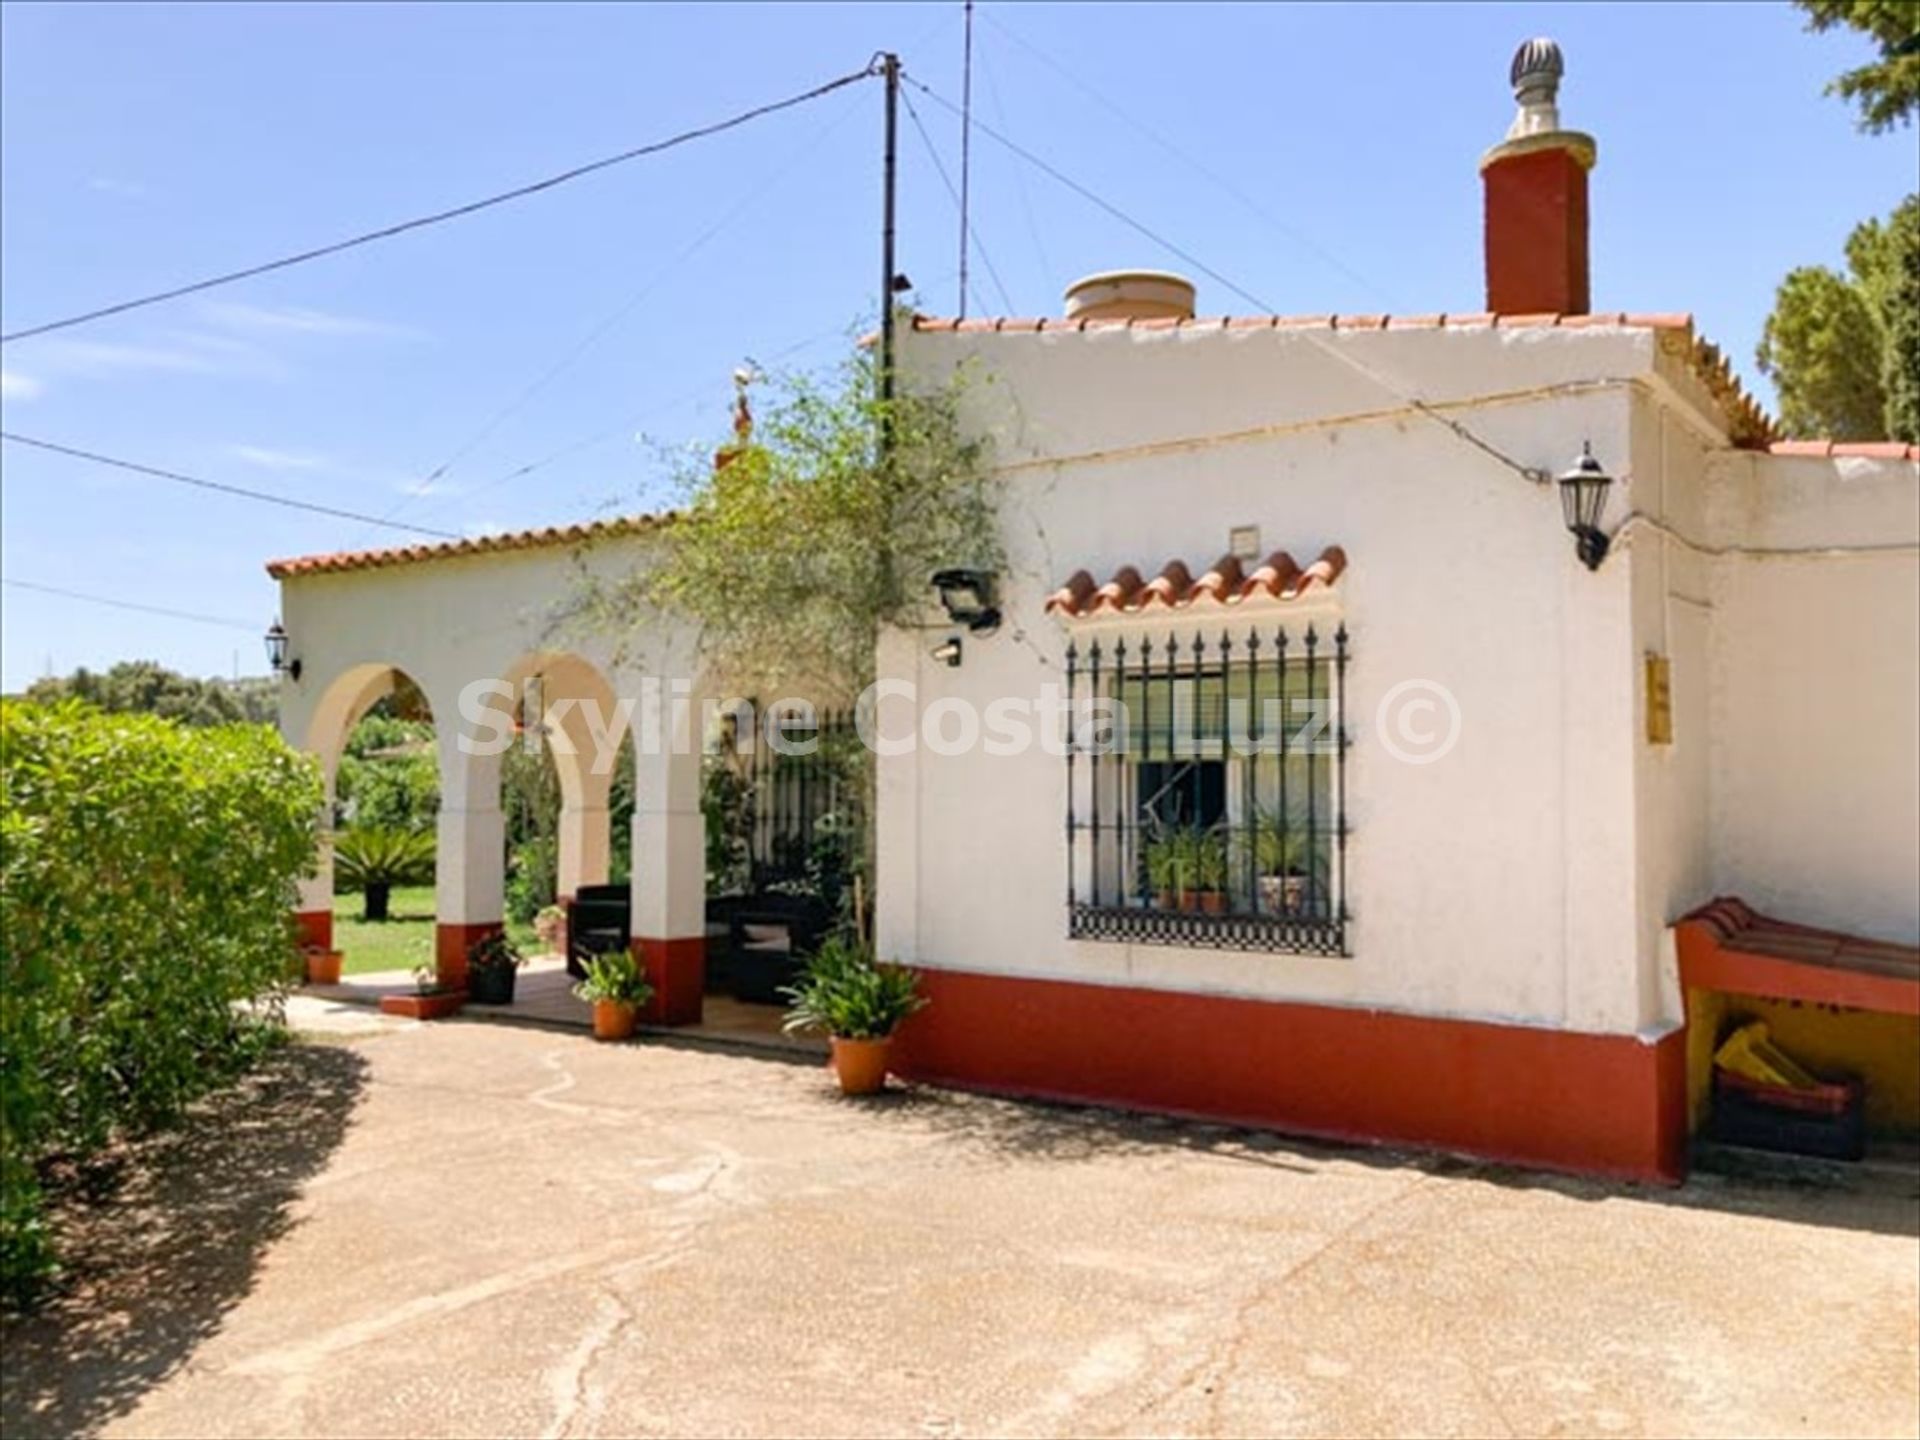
(1206, 789)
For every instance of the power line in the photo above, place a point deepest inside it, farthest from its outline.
(131, 605)
(1085, 194)
(438, 217)
(1199, 166)
(96, 458)
(933, 154)
(601, 437)
(1415, 403)
(751, 197)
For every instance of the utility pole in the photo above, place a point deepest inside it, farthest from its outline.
(966, 150)
(890, 68)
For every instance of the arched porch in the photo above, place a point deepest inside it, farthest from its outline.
(476, 630)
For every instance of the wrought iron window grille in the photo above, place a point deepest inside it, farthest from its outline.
(1206, 790)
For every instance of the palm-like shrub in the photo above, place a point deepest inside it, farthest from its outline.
(374, 859)
(847, 993)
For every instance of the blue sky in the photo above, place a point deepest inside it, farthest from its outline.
(145, 145)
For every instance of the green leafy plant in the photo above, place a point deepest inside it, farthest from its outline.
(1183, 859)
(1283, 850)
(848, 994)
(1209, 860)
(148, 871)
(616, 978)
(374, 860)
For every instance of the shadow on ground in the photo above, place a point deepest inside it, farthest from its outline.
(153, 1265)
(1883, 1199)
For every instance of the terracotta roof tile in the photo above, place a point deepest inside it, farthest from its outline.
(1226, 582)
(477, 545)
(1846, 449)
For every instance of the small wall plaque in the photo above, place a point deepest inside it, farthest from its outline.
(1659, 700)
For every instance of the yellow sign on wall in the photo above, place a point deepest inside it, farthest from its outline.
(1659, 700)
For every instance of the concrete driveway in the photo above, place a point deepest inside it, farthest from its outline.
(469, 1229)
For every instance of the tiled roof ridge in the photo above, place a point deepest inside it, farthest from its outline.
(1475, 320)
(1175, 587)
(536, 538)
(1748, 424)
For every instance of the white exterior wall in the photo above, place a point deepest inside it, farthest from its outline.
(1816, 690)
(1501, 882)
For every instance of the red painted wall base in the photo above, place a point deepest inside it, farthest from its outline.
(450, 944)
(677, 970)
(1592, 1104)
(314, 929)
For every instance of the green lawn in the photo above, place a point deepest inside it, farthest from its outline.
(403, 941)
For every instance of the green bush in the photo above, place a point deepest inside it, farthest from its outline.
(147, 872)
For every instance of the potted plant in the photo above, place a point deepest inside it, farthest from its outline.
(431, 1000)
(1165, 859)
(550, 925)
(1287, 862)
(374, 859)
(859, 1003)
(1207, 865)
(616, 989)
(492, 962)
(322, 965)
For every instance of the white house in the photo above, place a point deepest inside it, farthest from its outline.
(1444, 910)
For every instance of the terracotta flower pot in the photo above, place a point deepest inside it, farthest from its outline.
(1213, 902)
(437, 1006)
(614, 1019)
(323, 967)
(1165, 900)
(861, 1065)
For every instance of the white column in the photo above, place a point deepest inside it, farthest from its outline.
(470, 870)
(669, 848)
(585, 843)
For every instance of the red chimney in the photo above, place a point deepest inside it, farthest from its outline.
(1536, 197)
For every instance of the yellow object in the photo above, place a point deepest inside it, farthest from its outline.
(1750, 1051)
(1659, 700)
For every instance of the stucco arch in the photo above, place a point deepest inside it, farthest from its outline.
(338, 706)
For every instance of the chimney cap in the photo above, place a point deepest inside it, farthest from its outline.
(1537, 66)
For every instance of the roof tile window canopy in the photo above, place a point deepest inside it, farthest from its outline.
(1227, 584)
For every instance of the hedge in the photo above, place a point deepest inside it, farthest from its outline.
(147, 873)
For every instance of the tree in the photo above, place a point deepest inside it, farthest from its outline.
(1888, 89)
(144, 687)
(806, 538)
(1844, 350)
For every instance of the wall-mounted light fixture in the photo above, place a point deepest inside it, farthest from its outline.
(1583, 496)
(277, 652)
(947, 652)
(968, 596)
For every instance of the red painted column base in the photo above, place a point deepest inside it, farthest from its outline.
(313, 929)
(677, 970)
(450, 945)
(1610, 1105)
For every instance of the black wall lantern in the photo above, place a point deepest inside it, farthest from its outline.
(1583, 496)
(277, 652)
(968, 596)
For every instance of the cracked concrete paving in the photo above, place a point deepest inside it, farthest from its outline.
(504, 1231)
